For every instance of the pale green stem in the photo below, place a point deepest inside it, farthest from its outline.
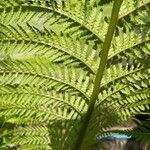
(99, 75)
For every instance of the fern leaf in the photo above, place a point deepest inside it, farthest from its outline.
(58, 88)
(130, 6)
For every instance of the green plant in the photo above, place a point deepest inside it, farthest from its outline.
(63, 79)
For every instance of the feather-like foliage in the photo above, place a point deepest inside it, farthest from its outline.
(49, 56)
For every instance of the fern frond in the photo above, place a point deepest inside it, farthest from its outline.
(57, 52)
(24, 31)
(116, 114)
(45, 97)
(135, 103)
(34, 73)
(59, 85)
(133, 33)
(131, 93)
(28, 137)
(131, 42)
(119, 72)
(77, 15)
(129, 6)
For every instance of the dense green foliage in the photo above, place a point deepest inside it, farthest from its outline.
(50, 52)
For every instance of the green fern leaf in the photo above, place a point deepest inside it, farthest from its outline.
(60, 85)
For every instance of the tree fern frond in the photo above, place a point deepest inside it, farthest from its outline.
(80, 144)
(32, 72)
(132, 34)
(129, 41)
(139, 17)
(51, 134)
(27, 31)
(111, 74)
(137, 102)
(41, 113)
(125, 96)
(60, 85)
(28, 137)
(134, 99)
(120, 89)
(116, 113)
(39, 96)
(130, 6)
(57, 52)
(77, 16)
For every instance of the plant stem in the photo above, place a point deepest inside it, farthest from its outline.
(99, 75)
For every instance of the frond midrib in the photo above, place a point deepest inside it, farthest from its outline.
(98, 79)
